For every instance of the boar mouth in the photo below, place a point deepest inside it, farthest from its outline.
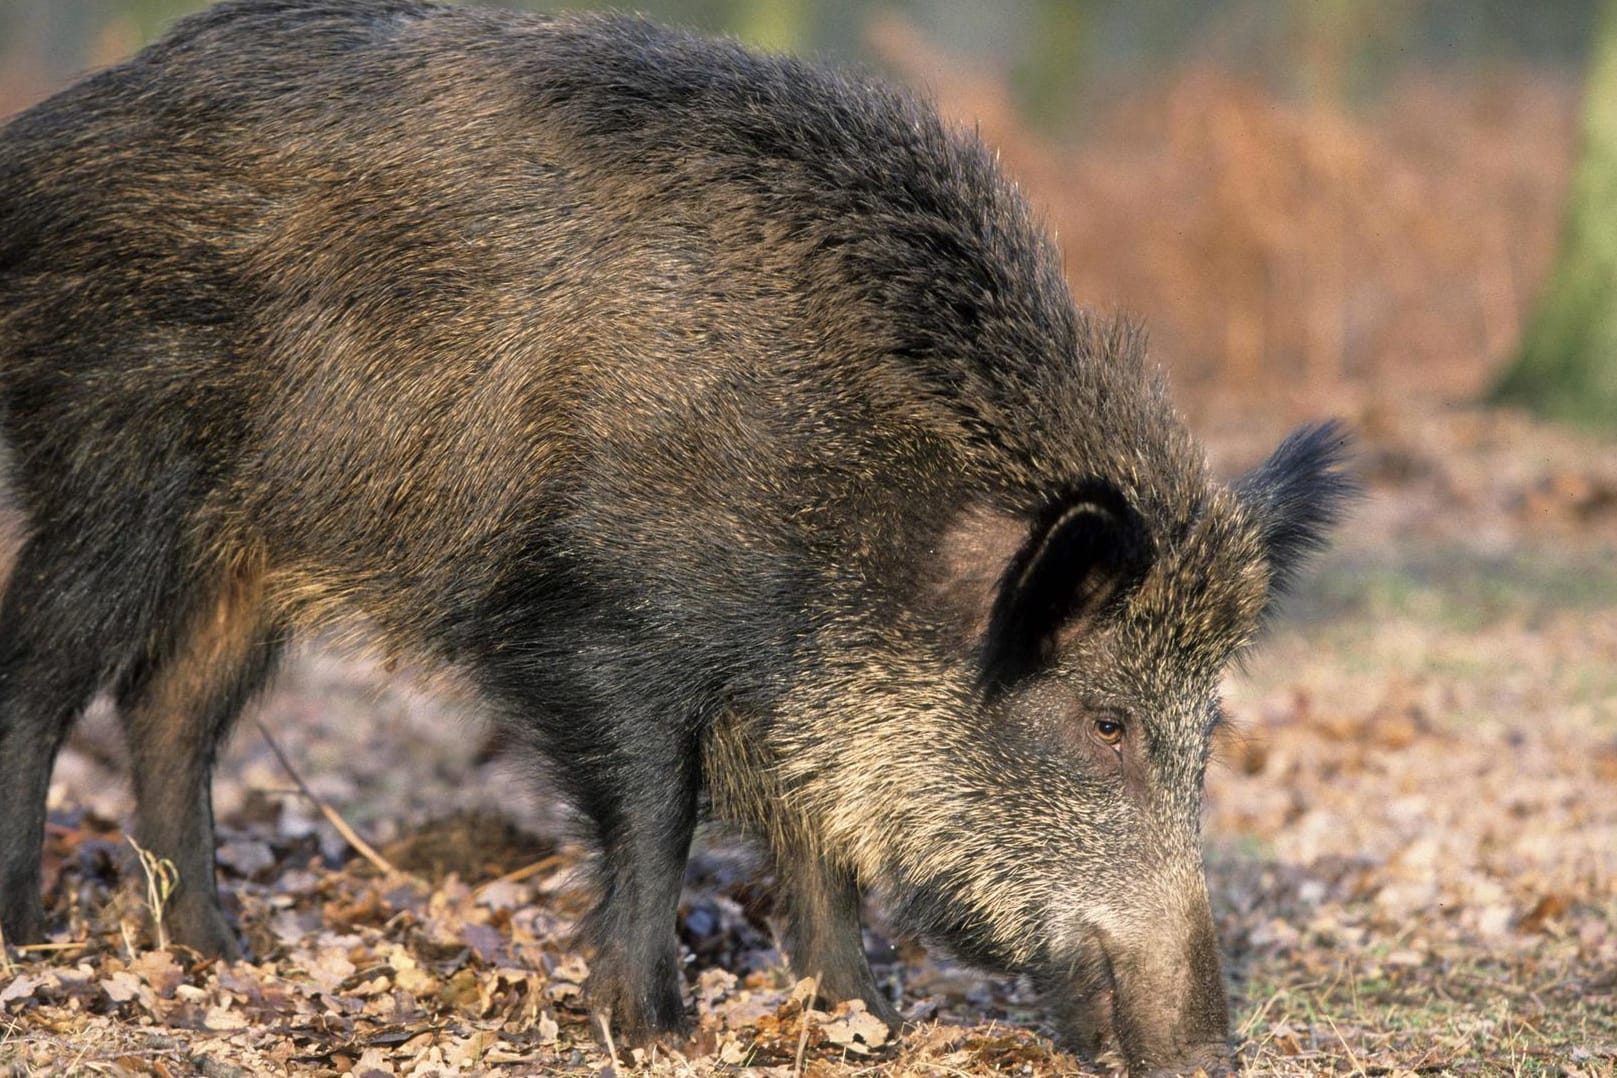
(1085, 1000)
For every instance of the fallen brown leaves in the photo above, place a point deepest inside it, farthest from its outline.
(362, 974)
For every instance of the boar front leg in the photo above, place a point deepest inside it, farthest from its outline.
(645, 819)
(823, 931)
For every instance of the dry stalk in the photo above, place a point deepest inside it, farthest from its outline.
(350, 836)
(161, 879)
(605, 1018)
(803, 1035)
(516, 875)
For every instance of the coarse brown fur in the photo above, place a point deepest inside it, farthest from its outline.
(724, 421)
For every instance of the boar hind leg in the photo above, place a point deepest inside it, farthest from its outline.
(176, 706)
(822, 910)
(645, 821)
(50, 666)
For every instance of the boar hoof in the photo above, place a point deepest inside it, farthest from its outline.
(206, 931)
(637, 1015)
(833, 989)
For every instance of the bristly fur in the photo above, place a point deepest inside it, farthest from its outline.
(722, 421)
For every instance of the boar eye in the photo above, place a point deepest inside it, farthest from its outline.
(1109, 730)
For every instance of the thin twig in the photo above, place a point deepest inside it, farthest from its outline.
(604, 1016)
(519, 874)
(1353, 1057)
(350, 836)
(70, 945)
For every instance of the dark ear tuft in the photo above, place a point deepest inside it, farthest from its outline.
(1083, 554)
(1298, 495)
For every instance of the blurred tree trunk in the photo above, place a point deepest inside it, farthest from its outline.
(1567, 366)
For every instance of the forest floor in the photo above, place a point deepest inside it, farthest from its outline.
(1411, 827)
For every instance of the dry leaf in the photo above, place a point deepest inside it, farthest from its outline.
(158, 969)
(855, 1028)
(1547, 909)
(21, 987)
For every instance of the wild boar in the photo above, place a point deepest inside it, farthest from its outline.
(725, 421)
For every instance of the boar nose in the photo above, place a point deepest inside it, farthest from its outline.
(1172, 1017)
(1212, 1060)
(1155, 991)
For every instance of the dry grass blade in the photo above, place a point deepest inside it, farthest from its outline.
(161, 879)
(803, 1035)
(603, 1018)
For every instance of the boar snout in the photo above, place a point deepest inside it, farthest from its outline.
(1157, 998)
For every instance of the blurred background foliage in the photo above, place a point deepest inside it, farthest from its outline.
(1356, 198)
(1053, 53)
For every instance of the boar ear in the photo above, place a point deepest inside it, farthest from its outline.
(1083, 553)
(1297, 496)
